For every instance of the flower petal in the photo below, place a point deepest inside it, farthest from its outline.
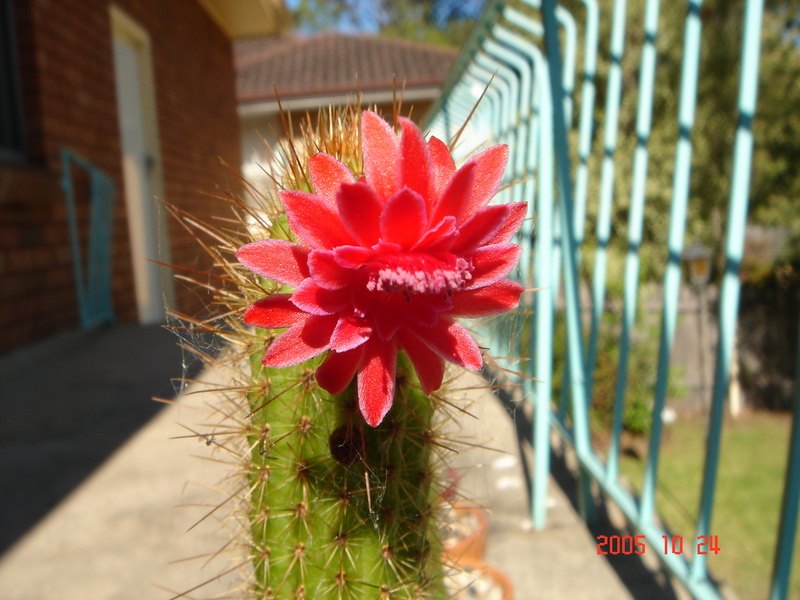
(387, 320)
(277, 260)
(423, 314)
(456, 195)
(404, 219)
(487, 301)
(381, 150)
(443, 166)
(338, 370)
(360, 211)
(492, 263)
(435, 302)
(439, 238)
(376, 380)
(349, 333)
(516, 215)
(352, 257)
(301, 342)
(480, 227)
(451, 341)
(382, 246)
(326, 271)
(428, 365)
(313, 220)
(327, 174)
(416, 168)
(316, 300)
(273, 311)
(490, 165)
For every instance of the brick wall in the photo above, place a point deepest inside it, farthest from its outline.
(69, 95)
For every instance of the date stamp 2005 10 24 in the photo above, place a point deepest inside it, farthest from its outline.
(629, 544)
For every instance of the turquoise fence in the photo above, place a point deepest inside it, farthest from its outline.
(521, 62)
(91, 262)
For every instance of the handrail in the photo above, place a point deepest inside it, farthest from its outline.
(514, 52)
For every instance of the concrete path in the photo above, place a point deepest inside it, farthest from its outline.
(558, 563)
(121, 533)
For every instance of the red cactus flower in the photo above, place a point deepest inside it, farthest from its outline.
(387, 262)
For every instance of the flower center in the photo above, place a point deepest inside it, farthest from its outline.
(417, 273)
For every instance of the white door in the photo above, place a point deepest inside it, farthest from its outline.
(141, 167)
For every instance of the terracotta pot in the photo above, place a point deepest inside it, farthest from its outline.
(465, 530)
(479, 582)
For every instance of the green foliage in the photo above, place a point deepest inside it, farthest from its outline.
(318, 15)
(776, 126)
(643, 357)
(415, 20)
(441, 22)
(641, 375)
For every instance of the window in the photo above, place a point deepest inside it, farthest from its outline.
(11, 133)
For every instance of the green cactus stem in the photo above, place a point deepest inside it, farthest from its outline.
(340, 509)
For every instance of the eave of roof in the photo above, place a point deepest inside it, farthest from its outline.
(243, 18)
(313, 102)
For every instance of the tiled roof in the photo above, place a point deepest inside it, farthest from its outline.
(335, 63)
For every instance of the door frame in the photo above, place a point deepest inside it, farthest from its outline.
(147, 227)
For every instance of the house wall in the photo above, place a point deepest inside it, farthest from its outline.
(268, 128)
(69, 97)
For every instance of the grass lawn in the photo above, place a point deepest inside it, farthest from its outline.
(748, 496)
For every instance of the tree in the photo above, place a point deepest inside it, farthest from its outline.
(775, 188)
(444, 22)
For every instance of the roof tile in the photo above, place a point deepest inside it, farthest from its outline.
(335, 63)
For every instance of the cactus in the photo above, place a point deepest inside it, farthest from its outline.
(340, 509)
(339, 415)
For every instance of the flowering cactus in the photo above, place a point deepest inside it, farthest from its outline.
(385, 263)
(375, 267)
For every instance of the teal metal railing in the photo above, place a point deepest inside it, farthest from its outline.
(522, 57)
(91, 253)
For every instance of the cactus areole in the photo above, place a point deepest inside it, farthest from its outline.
(386, 262)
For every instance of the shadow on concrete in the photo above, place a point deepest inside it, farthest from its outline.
(69, 403)
(640, 580)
